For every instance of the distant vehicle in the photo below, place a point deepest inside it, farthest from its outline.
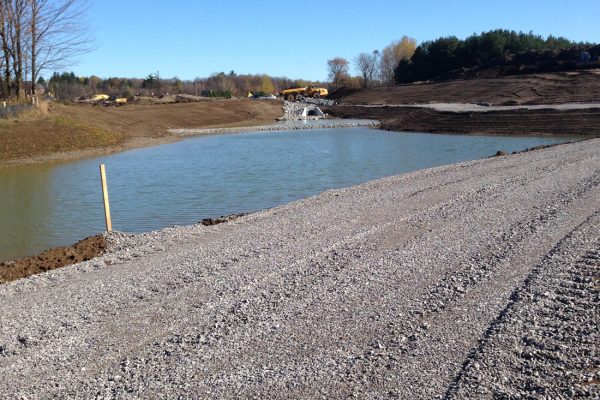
(262, 96)
(114, 101)
(309, 91)
(100, 97)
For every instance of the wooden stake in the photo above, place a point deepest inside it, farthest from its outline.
(105, 196)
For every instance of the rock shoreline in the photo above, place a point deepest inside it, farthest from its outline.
(282, 126)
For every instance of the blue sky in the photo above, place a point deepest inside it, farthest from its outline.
(194, 38)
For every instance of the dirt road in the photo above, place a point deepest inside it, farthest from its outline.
(474, 280)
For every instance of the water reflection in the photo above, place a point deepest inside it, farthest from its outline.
(26, 209)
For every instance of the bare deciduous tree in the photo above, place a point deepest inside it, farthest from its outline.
(367, 65)
(4, 37)
(15, 16)
(58, 34)
(39, 35)
(338, 69)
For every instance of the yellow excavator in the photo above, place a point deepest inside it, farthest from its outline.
(308, 91)
(107, 100)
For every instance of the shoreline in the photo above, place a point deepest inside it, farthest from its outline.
(517, 122)
(283, 126)
(177, 134)
(136, 143)
(544, 122)
(397, 118)
(433, 276)
(55, 255)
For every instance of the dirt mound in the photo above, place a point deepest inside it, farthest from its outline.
(342, 92)
(555, 88)
(58, 257)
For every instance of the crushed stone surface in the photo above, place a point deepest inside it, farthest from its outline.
(473, 280)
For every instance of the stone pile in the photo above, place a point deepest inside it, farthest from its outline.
(297, 111)
(319, 101)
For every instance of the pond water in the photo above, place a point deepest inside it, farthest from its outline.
(54, 204)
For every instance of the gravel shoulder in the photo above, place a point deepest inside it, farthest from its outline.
(473, 280)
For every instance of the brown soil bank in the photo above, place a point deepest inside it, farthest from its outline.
(74, 130)
(553, 88)
(54, 258)
(515, 122)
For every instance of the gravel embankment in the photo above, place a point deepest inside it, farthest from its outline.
(474, 280)
(283, 126)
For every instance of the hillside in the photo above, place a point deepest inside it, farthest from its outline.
(550, 88)
(69, 131)
(408, 107)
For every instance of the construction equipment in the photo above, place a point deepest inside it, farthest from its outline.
(99, 97)
(308, 91)
(115, 101)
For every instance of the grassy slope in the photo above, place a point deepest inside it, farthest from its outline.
(70, 128)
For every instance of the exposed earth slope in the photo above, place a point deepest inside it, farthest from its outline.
(551, 88)
(76, 130)
(395, 106)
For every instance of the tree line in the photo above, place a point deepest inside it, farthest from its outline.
(374, 68)
(403, 61)
(68, 86)
(37, 35)
(434, 58)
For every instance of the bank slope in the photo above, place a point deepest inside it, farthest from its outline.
(388, 289)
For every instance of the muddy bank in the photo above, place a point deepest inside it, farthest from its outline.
(514, 122)
(54, 258)
(63, 256)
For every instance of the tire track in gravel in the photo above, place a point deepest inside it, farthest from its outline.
(527, 351)
(421, 315)
(223, 322)
(339, 246)
(32, 341)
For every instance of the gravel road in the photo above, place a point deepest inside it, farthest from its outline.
(474, 280)
(470, 108)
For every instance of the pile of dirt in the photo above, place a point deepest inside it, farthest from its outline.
(57, 257)
(342, 92)
(34, 136)
(222, 219)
